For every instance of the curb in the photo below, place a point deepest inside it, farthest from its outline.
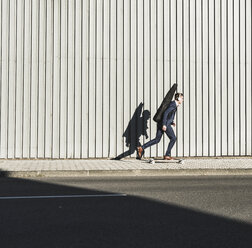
(135, 172)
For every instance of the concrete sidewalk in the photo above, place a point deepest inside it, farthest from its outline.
(125, 167)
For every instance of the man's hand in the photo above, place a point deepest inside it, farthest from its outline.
(164, 128)
(174, 124)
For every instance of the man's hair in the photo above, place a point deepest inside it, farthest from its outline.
(177, 95)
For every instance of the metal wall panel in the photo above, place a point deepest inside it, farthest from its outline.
(83, 78)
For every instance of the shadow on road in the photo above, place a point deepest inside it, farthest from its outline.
(107, 222)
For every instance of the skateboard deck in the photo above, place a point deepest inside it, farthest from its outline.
(153, 161)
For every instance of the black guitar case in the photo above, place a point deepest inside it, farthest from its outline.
(159, 114)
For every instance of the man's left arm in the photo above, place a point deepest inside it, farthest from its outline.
(166, 113)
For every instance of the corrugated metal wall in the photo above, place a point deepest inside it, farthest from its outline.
(80, 78)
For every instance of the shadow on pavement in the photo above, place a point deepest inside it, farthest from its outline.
(107, 222)
(4, 173)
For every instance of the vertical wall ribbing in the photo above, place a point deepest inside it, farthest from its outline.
(75, 73)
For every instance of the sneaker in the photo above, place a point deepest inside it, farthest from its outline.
(168, 158)
(140, 152)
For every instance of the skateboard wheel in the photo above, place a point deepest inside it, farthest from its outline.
(151, 161)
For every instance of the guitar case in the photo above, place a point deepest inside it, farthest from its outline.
(164, 105)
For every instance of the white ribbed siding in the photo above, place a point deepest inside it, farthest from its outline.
(73, 72)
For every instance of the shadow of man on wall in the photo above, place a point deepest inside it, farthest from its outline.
(135, 129)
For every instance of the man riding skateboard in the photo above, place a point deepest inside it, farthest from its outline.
(165, 125)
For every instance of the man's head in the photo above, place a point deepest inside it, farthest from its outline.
(179, 97)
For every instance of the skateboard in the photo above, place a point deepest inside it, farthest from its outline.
(153, 161)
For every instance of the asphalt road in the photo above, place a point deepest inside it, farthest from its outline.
(126, 212)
